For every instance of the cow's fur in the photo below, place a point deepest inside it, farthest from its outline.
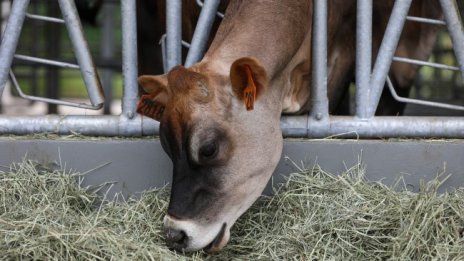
(220, 119)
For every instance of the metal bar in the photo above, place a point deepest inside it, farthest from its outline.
(45, 18)
(319, 100)
(424, 63)
(46, 61)
(173, 33)
(363, 56)
(129, 58)
(107, 48)
(455, 28)
(421, 102)
(81, 49)
(292, 126)
(202, 32)
(377, 127)
(162, 42)
(100, 125)
(219, 14)
(386, 51)
(425, 20)
(10, 39)
(51, 101)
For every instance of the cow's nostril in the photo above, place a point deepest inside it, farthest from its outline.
(175, 238)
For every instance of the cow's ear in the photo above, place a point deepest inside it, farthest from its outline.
(249, 80)
(152, 104)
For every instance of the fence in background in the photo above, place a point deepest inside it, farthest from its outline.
(318, 124)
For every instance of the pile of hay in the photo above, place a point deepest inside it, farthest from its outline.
(45, 215)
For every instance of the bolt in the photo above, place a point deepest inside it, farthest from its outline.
(130, 115)
(318, 116)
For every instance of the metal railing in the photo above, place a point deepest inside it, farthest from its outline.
(319, 123)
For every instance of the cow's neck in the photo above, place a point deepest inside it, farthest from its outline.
(247, 33)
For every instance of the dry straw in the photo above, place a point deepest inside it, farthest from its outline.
(46, 215)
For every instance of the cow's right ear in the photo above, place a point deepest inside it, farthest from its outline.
(249, 80)
(153, 104)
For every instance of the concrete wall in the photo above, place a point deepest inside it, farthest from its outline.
(134, 165)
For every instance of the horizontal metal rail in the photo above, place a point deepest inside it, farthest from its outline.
(219, 14)
(46, 61)
(421, 102)
(377, 127)
(45, 18)
(425, 20)
(292, 126)
(48, 100)
(424, 63)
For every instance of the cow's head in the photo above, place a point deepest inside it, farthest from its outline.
(223, 136)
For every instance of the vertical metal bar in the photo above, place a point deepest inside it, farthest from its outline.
(81, 50)
(319, 98)
(129, 58)
(107, 52)
(173, 33)
(455, 28)
(53, 50)
(202, 32)
(386, 51)
(363, 56)
(10, 39)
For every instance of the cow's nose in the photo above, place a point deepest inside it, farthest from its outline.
(176, 239)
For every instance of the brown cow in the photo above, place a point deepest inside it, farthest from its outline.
(220, 118)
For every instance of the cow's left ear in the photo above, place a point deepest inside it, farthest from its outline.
(152, 104)
(249, 80)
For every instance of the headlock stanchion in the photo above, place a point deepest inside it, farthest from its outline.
(370, 81)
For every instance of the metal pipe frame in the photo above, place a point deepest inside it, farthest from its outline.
(319, 100)
(421, 102)
(386, 52)
(292, 126)
(377, 127)
(45, 18)
(425, 63)
(425, 20)
(129, 58)
(46, 61)
(202, 32)
(455, 29)
(8, 45)
(218, 14)
(48, 100)
(173, 33)
(363, 56)
(81, 50)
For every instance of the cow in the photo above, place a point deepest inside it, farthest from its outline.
(220, 118)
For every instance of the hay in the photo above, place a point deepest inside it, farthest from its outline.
(46, 215)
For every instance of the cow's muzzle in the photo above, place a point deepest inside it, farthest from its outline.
(187, 235)
(176, 239)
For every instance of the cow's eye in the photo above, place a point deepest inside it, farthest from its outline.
(208, 151)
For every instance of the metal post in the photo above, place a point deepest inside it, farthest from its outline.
(10, 39)
(319, 110)
(107, 52)
(81, 49)
(363, 56)
(129, 58)
(202, 32)
(386, 51)
(455, 28)
(173, 33)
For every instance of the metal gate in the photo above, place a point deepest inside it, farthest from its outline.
(317, 124)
